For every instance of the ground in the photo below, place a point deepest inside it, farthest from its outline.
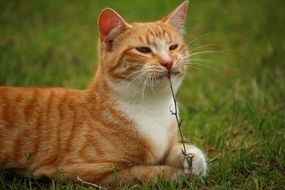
(232, 100)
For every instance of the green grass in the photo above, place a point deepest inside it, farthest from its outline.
(236, 114)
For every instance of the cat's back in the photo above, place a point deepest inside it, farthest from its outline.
(23, 105)
(24, 100)
(27, 115)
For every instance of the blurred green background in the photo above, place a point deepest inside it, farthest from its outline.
(232, 101)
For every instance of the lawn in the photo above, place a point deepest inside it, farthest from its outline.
(232, 101)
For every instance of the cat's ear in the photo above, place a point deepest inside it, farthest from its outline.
(177, 17)
(110, 24)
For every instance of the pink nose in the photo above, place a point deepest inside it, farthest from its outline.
(167, 65)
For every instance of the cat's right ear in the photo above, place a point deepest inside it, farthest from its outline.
(110, 24)
(178, 16)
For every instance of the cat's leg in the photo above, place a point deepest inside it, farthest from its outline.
(142, 174)
(101, 173)
(176, 159)
(91, 172)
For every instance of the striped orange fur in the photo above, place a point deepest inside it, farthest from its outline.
(120, 123)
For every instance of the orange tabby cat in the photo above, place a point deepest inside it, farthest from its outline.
(120, 123)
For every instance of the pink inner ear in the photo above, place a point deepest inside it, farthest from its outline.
(178, 16)
(110, 23)
(177, 20)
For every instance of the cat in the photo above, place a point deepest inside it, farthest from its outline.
(120, 124)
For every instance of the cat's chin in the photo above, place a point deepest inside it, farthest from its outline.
(162, 77)
(162, 81)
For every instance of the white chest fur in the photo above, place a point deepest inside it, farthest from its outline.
(151, 114)
(153, 120)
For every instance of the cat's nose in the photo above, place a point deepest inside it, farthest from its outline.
(167, 64)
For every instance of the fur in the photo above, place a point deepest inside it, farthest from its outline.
(120, 123)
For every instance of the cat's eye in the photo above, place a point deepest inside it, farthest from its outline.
(144, 50)
(173, 47)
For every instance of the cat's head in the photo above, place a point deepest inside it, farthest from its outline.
(142, 55)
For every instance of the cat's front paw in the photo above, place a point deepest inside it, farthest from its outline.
(199, 164)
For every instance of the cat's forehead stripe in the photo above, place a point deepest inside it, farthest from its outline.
(157, 32)
(142, 40)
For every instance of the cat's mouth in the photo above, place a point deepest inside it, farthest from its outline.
(176, 73)
(171, 74)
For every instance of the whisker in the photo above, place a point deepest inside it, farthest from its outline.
(203, 65)
(144, 86)
(152, 82)
(205, 61)
(135, 79)
(205, 52)
(200, 37)
(129, 84)
(187, 61)
(128, 76)
(198, 69)
(206, 45)
(139, 71)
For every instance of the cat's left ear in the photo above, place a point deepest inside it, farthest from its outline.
(178, 16)
(110, 24)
